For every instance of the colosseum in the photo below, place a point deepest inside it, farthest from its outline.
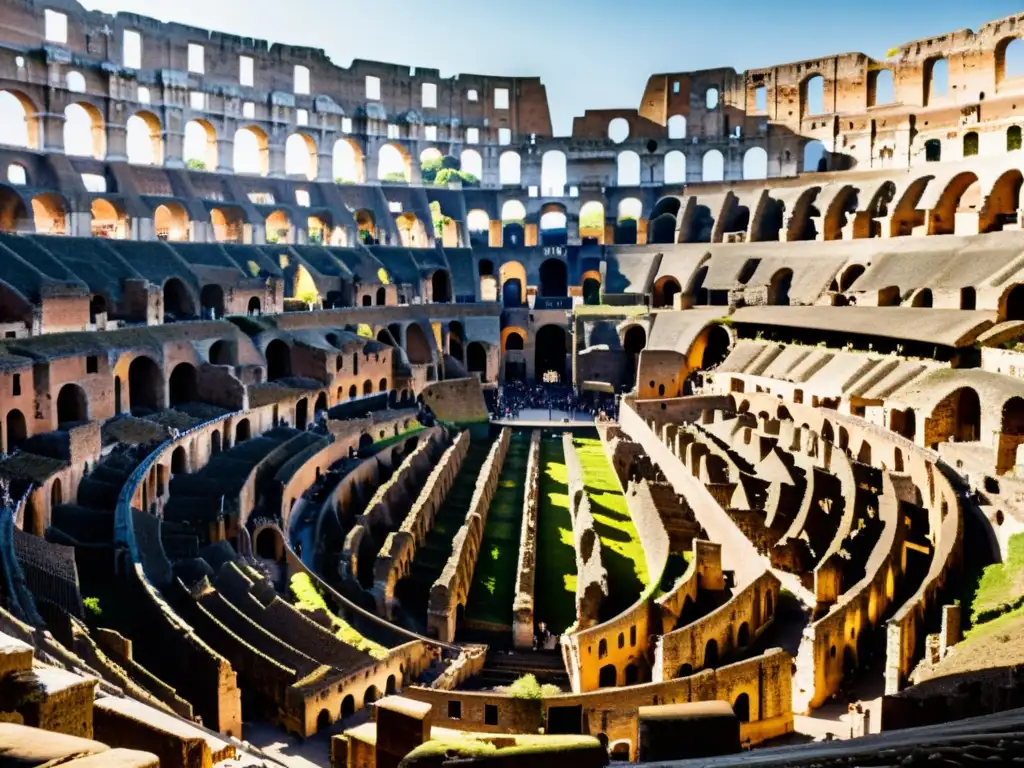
(531, 448)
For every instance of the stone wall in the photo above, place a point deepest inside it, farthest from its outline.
(451, 590)
(394, 561)
(591, 575)
(703, 573)
(522, 607)
(456, 401)
(765, 680)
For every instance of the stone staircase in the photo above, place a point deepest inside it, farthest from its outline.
(503, 669)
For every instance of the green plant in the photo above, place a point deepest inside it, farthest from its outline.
(430, 167)
(446, 176)
(892, 52)
(195, 164)
(395, 177)
(527, 687)
(308, 599)
(343, 180)
(92, 605)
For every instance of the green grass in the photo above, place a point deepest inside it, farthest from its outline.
(621, 551)
(555, 582)
(494, 579)
(382, 443)
(1001, 587)
(308, 598)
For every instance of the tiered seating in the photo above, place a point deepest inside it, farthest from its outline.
(98, 266)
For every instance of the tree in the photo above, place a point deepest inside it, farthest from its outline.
(448, 175)
(195, 164)
(396, 177)
(430, 167)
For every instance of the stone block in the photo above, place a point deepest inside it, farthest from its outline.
(55, 700)
(116, 758)
(685, 731)
(402, 725)
(15, 655)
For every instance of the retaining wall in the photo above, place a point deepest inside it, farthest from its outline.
(522, 608)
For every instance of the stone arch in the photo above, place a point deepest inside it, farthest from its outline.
(922, 298)
(936, 79)
(19, 124)
(108, 220)
(417, 346)
(278, 227)
(665, 291)
(394, 164)
(228, 224)
(510, 169)
(677, 127)
(49, 214)
(144, 139)
(1011, 303)
(628, 172)
(592, 221)
(554, 225)
(711, 653)
(441, 287)
(849, 276)
(755, 163)
(1013, 138)
(956, 416)
(323, 720)
(97, 307)
(551, 349)
(512, 276)
(16, 429)
(591, 287)
(177, 300)
(211, 298)
(553, 173)
(348, 706)
(607, 677)
(72, 405)
(145, 385)
(741, 708)
(630, 212)
(370, 696)
(513, 339)
(170, 220)
(183, 385)
(554, 278)
(279, 360)
(251, 151)
(253, 307)
(778, 289)
(348, 164)
(962, 193)
(618, 130)
(812, 95)
(675, 167)
(476, 359)
(1002, 202)
(881, 87)
(300, 156)
(84, 131)
(712, 166)
(411, 230)
(179, 461)
(472, 163)
(199, 148)
(815, 158)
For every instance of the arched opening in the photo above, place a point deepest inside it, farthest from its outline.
(367, 387)
(199, 150)
(936, 80)
(411, 230)
(554, 278)
(675, 167)
(628, 169)
(713, 166)
(441, 287)
(717, 347)
(171, 222)
(348, 706)
(389, 687)
(19, 126)
(177, 301)
(472, 163)
(607, 677)
(553, 174)
(417, 347)
(551, 350)
(513, 281)
(382, 385)
(618, 130)
(300, 156)
(665, 291)
(251, 151)
(592, 289)
(957, 417)
(72, 406)
(513, 342)
(144, 142)
(743, 635)
(1013, 138)
(145, 385)
(813, 96)
(634, 341)
(393, 165)
(1011, 304)
(84, 131)
(513, 221)
(279, 360)
(117, 395)
(179, 463)
(778, 290)
(184, 385)
(301, 413)
(17, 431)
(755, 163)
(228, 225)
(554, 227)
(370, 696)
(933, 151)
(510, 169)
(815, 158)
(711, 653)
(278, 227)
(881, 87)
(741, 708)
(253, 307)
(212, 300)
(627, 227)
(632, 674)
(107, 221)
(923, 298)
(592, 222)
(850, 276)
(347, 162)
(970, 144)
(267, 543)
(49, 214)
(476, 359)
(323, 720)
(243, 431)
(677, 127)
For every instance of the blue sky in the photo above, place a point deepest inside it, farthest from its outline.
(589, 53)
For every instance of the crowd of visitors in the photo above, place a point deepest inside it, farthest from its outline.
(511, 399)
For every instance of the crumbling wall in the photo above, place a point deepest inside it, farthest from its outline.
(522, 607)
(394, 561)
(456, 401)
(451, 589)
(703, 573)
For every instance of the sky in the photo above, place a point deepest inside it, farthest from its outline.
(591, 54)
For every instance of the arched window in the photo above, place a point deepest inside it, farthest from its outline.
(755, 163)
(83, 131)
(300, 156)
(933, 151)
(814, 95)
(509, 168)
(882, 88)
(970, 144)
(392, 165)
(677, 127)
(618, 130)
(252, 152)
(711, 98)
(472, 163)
(936, 79)
(347, 162)
(1013, 138)
(16, 129)
(553, 174)
(200, 146)
(629, 169)
(675, 167)
(815, 159)
(713, 166)
(144, 139)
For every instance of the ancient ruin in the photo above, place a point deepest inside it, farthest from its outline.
(350, 407)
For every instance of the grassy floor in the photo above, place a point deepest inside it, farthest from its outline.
(622, 553)
(494, 580)
(555, 582)
(1002, 585)
(996, 643)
